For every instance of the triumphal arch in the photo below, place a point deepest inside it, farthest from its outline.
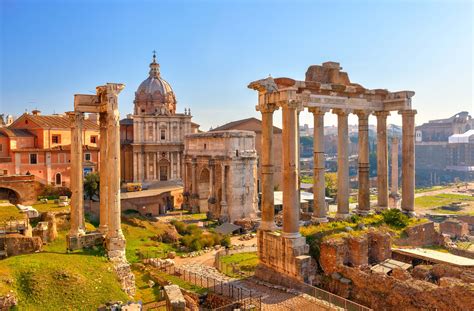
(105, 103)
(325, 89)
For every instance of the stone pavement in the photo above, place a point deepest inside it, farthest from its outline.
(273, 299)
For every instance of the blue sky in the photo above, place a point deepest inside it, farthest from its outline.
(210, 50)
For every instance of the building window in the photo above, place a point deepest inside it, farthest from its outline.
(163, 134)
(56, 139)
(58, 179)
(1, 147)
(205, 146)
(94, 139)
(150, 131)
(33, 158)
(87, 156)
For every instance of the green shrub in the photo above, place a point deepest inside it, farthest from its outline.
(395, 218)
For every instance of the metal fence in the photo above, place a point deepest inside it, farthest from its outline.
(237, 293)
(233, 269)
(333, 299)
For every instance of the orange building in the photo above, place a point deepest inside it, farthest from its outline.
(40, 145)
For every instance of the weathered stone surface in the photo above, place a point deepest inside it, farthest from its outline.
(7, 302)
(174, 298)
(332, 254)
(422, 272)
(358, 250)
(17, 244)
(420, 235)
(454, 228)
(380, 246)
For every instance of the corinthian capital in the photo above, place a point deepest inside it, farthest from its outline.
(266, 108)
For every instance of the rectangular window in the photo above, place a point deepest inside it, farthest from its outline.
(163, 134)
(33, 158)
(94, 139)
(56, 139)
(87, 156)
(150, 131)
(1, 147)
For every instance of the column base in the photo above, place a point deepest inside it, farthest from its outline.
(115, 246)
(267, 226)
(410, 214)
(103, 230)
(363, 212)
(342, 216)
(291, 235)
(319, 220)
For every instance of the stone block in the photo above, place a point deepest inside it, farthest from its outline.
(174, 298)
(380, 246)
(358, 251)
(90, 239)
(454, 228)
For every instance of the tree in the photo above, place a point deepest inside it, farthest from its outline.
(330, 180)
(91, 185)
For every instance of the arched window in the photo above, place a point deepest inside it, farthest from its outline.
(58, 179)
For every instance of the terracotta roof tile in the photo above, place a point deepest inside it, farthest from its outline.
(60, 121)
(232, 125)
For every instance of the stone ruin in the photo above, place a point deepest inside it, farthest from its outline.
(325, 88)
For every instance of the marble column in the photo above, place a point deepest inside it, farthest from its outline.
(342, 163)
(211, 178)
(291, 206)
(77, 176)
(147, 167)
(267, 205)
(155, 159)
(224, 211)
(408, 161)
(382, 159)
(115, 240)
(394, 183)
(319, 185)
(103, 174)
(364, 182)
(193, 177)
(172, 165)
(135, 166)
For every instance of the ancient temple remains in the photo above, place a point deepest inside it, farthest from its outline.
(326, 88)
(105, 103)
(220, 174)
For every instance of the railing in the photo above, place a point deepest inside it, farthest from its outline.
(333, 299)
(239, 294)
(232, 269)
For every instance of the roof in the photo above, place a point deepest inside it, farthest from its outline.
(233, 124)
(461, 138)
(227, 228)
(149, 193)
(126, 121)
(436, 257)
(10, 132)
(55, 121)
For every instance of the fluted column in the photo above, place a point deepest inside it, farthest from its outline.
(342, 163)
(408, 161)
(382, 159)
(224, 211)
(77, 177)
(103, 173)
(268, 207)
(319, 186)
(211, 178)
(291, 206)
(364, 183)
(394, 184)
(193, 177)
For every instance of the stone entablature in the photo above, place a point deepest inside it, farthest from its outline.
(220, 175)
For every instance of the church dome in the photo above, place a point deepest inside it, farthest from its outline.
(155, 96)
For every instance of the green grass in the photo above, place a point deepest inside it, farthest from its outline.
(8, 212)
(181, 283)
(246, 262)
(52, 281)
(50, 207)
(432, 201)
(143, 291)
(139, 234)
(429, 189)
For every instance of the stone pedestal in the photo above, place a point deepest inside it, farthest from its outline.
(286, 257)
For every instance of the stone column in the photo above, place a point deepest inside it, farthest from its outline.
(155, 159)
(77, 177)
(319, 185)
(135, 166)
(193, 177)
(364, 182)
(291, 206)
(103, 174)
(394, 186)
(115, 240)
(171, 165)
(224, 211)
(342, 163)
(147, 166)
(211, 178)
(267, 206)
(408, 161)
(382, 159)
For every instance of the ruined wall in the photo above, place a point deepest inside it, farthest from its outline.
(17, 244)
(420, 235)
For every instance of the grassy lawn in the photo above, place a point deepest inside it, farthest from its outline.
(139, 234)
(51, 281)
(246, 262)
(50, 207)
(10, 211)
(432, 201)
(429, 189)
(181, 283)
(144, 292)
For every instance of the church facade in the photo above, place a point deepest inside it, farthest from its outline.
(152, 139)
